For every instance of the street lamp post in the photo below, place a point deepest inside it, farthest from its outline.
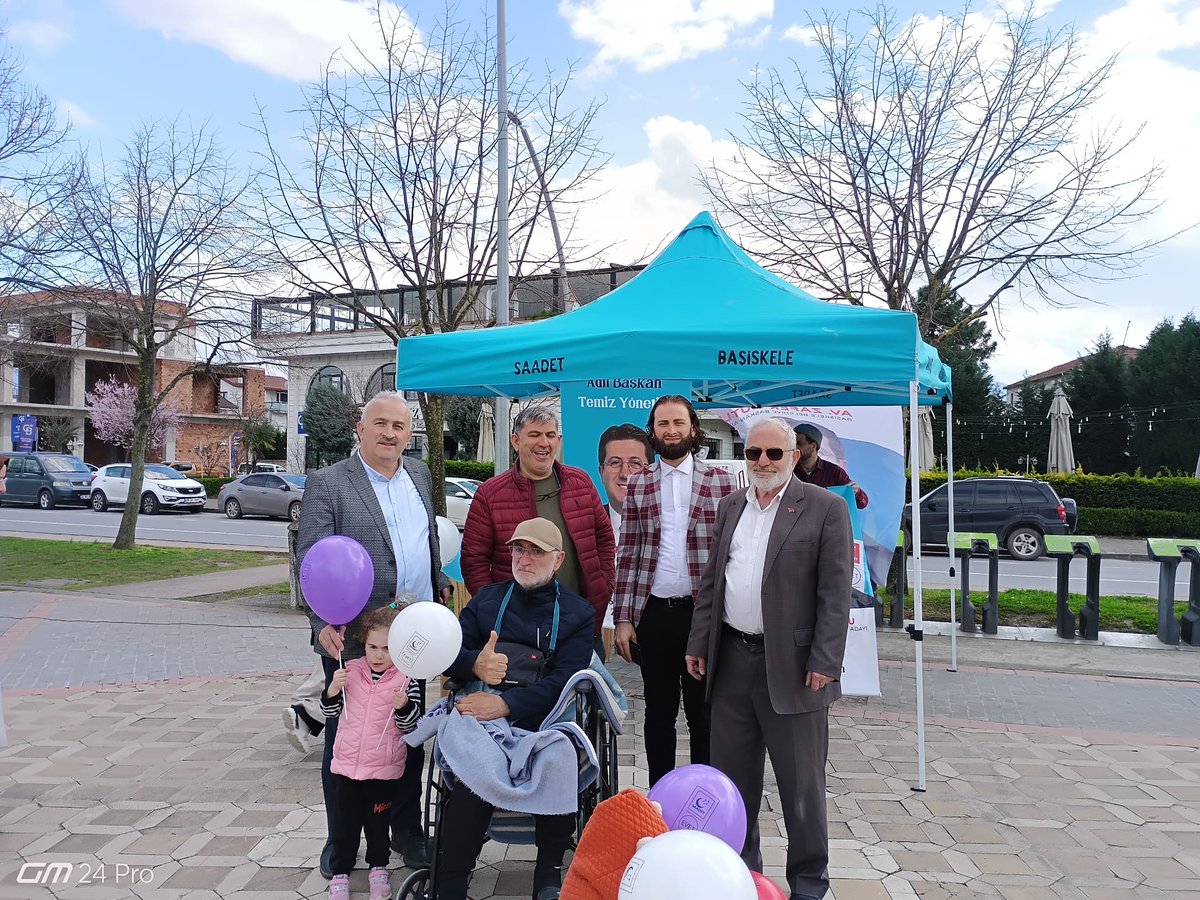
(1030, 461)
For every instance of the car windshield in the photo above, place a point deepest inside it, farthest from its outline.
(164, 473)
(64, 464)
(469, 486)
(296, 481)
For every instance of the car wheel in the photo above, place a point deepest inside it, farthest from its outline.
(233, 509)
(99, 501)
(294, 511)
(45, 499)
(1025, 543)
(149, 504)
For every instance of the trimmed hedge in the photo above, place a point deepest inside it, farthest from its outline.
(1139, 522)
(212, 486)
(1114, 492)
(469, 468)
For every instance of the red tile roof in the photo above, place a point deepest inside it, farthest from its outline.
(1059, 371)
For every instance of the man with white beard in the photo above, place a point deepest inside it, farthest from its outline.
(769, 632)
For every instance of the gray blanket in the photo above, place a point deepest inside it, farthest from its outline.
(536, 772)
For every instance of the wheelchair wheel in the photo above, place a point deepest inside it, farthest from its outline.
(416, 886)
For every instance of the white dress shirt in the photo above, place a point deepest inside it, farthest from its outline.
(614, 519)
(744, 568)
(408, 526)
(671, 577)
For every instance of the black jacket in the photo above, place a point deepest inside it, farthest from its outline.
(528, 620)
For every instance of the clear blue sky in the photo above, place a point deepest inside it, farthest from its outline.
(669, 73)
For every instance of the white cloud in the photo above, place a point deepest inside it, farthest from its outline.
(291, 39)
(645, 204)
(801, 34)
(43, 35)
(79, 117)
(653, 34)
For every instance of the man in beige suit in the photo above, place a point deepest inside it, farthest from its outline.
(769, 631)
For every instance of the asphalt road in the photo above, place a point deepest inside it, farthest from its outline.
(1116, 576)
(180, 527)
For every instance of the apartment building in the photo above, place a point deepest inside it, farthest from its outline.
(55, 352)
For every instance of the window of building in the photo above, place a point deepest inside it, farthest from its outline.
(331, 375)
(382, 379)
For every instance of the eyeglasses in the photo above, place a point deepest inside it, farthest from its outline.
(531, 552)
(775, 454)
(616, 463)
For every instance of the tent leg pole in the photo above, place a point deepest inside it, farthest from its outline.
(950, 534)
(917, 629)
(503, 418)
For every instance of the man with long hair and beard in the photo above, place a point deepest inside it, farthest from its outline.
(668, 517)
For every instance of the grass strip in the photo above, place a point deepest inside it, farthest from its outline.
(79, 565)
(1038, 609)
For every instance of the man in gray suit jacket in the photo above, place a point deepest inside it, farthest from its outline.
(385, 502)
(769, 631)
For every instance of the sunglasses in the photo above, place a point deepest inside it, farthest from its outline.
(775, 454)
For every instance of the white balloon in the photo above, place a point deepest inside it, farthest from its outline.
(449, 538)
(691, 864)
(424, 639)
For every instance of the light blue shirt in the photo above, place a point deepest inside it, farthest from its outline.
(408, 526)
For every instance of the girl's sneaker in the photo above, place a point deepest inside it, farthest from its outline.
(381, 884)
(339, 888)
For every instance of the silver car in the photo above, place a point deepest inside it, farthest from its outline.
(263, 494)
(459, 492)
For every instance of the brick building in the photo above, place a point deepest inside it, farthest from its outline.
(54, 352)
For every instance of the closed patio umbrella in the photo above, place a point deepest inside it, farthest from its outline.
(926, 423)
(1061, 457)
(485, 448)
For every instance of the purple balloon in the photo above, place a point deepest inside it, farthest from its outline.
(337, 577)
(701, 798)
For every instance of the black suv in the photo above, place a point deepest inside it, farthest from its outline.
(1019, 511)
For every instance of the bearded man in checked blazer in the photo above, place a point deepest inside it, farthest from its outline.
(667, 526)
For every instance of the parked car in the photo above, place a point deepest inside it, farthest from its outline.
(162, 488)
(46, 479)
(248, 468)
(186, 468)
(1019, 511)
(459, 492)
(263, 494)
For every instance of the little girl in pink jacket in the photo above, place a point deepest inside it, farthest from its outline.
(377, 705)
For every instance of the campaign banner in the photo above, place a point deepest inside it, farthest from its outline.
(24, 433)
(589, 408)
(860, 665)
(866, 441)
(861, 581)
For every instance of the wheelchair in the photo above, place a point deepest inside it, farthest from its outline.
(518, 828)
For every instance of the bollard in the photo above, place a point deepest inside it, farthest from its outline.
(1169, 553)
(966, 545)
(896, 606)
(1065, 548)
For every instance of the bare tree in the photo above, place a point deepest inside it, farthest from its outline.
(160, 252)
(36, 175)
(954, 153)
(395, 200)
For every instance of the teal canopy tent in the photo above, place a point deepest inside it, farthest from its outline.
(702, 311)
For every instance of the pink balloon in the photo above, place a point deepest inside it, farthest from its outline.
(767, 889)
(701, 798)
(336, 577)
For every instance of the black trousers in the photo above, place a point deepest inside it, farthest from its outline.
(662, 636)
(463, 829)
(406, 805)
(361, 807)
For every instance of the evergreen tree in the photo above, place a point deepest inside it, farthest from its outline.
(462, 418)
(1164, 388)
(329, 420)
(1099, 394)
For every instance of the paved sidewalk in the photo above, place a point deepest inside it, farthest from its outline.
(1040, 784)
(204, 585)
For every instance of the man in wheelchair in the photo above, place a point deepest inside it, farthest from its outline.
(524, 638)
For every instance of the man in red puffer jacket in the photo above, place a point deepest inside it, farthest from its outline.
(539, 485)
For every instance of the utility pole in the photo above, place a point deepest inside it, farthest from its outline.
(502, 302)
